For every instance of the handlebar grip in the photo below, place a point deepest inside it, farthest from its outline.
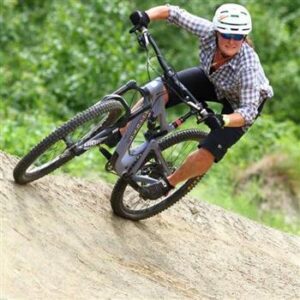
(139, 18)
(136, 17)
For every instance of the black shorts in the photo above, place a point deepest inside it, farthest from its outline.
(217, 141)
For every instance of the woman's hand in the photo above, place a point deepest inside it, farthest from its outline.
(140, 18)
(143, 18)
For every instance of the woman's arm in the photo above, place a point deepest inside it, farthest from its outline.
(158, 12)
(234, 120)
(181, 18)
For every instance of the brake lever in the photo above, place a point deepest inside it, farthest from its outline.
(142, 38)
(133, 29)
(138, 28)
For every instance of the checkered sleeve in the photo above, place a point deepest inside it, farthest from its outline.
(249, 94)
(189, 22)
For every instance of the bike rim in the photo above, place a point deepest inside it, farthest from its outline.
(174, 155)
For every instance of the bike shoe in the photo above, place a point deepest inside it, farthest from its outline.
(113, 139)
(156, 190)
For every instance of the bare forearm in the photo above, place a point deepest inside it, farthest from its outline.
(235, 120)
(158, 12)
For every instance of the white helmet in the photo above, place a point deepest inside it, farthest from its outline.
(232, 18)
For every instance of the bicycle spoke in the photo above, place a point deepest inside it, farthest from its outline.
(49, 157)
(67, 141)
(174, 157)
(57, 151)
(134, 202)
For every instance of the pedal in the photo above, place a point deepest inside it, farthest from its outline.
(105, 153)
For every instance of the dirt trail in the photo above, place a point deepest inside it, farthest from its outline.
(59, 240)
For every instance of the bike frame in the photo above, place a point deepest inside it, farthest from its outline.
(129, 161)
(126, 161)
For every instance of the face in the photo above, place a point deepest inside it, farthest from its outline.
(229, 47)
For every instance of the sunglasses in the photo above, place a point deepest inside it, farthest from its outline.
(235, 37)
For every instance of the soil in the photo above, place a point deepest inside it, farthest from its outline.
(60, 240)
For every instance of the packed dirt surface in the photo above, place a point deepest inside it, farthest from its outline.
(60, 240)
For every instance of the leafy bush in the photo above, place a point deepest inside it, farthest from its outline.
(65, 52)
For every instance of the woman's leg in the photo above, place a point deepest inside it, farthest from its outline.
(196, 164)
(195, 80)
(211, 150)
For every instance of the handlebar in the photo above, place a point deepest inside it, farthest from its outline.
(146, 39)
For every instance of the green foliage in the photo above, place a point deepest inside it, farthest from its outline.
(20, 132)
(276, 32)
(64, 52)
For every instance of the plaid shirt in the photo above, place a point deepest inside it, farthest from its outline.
(241, 81)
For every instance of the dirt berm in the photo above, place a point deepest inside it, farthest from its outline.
(60, 240)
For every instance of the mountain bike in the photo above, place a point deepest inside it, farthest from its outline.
(163, 150)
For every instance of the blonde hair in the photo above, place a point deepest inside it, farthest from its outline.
(249, 42)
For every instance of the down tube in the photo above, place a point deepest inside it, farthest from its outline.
(125, 160)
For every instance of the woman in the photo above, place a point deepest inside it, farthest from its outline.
(230, 73)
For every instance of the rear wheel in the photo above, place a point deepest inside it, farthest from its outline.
(126, 201)
(58, 147)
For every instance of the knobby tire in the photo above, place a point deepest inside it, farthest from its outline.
(21, 172)
(119, 192)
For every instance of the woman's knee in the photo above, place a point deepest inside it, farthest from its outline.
(205, 154)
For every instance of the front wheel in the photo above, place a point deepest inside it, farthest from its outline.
(56, 149)
(126, 201)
